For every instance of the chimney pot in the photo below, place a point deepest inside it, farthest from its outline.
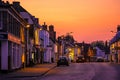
(16, 3)
(118, 28)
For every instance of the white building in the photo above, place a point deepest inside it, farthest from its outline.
(44, 34)
(99, 52)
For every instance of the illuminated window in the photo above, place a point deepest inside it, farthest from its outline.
(22, 34)
(23, 58)
(33, 56)
(36, 37)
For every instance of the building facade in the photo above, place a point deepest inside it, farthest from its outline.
(115, 47)
(44, 35)
(12, 38)
(32, 35)
(52, 43)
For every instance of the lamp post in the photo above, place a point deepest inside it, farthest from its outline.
(27, 42)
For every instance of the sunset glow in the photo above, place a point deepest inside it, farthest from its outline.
(89, 20)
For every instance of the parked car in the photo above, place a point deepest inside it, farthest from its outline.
(80, 59)
(63, 60)
(100, 59)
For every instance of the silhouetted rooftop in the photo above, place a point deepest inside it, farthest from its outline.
(115, 38)
(18, 7)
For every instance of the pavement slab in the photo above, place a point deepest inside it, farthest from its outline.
(35, 71)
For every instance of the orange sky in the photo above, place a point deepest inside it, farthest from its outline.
(89, 20)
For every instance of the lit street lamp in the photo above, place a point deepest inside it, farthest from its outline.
(27, 42)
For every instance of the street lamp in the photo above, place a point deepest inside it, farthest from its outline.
(28, 25)
(25, 55)
(27, 29)
(27, 42)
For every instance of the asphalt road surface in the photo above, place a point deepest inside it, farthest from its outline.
(79, 71)
(84, 71)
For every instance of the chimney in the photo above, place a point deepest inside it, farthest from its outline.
(1, 1)
(51, 28)
(44, 26)
(16, 3)
(118, 28)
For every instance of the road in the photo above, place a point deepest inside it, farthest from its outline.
(84, 71)
(78, 71)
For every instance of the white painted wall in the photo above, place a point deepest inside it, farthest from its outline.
(100, 53)
(44, 34)
(4, 55)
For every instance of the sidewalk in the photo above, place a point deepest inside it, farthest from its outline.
(36, 71)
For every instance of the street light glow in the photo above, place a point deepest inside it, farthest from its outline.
(28, 25)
